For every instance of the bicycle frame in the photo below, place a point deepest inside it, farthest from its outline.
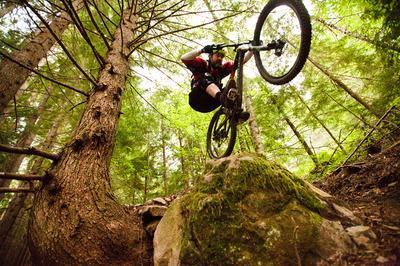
(241, 49)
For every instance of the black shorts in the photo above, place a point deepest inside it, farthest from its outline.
(199, 99)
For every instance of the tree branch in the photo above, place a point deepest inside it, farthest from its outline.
(96, 25)
(113, 9)
(29, 151)
(368, 134)
(179, 30)
(81, 28)
(149, 26)
(16, 190)
(22, 177)
(59, 42)
(102, 15)
(41, 75)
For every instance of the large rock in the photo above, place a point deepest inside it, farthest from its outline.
(249, 211)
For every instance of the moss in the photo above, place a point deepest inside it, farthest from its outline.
(249, 212)
(251, 172)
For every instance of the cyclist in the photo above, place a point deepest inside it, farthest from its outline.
(206, 87)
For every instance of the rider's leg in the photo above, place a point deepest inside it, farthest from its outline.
(213, 90)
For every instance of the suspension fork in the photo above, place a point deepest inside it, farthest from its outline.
(239, 78)
(238, 67)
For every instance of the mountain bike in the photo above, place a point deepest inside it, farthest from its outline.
(281, 44)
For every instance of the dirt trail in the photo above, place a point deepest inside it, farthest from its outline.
(371, 189)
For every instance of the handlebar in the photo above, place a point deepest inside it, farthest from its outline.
(235, 45)
(276, 45)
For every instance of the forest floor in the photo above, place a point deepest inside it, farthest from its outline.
(371, 189)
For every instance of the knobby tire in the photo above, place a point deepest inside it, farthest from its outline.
(305, 26)
(210, 132)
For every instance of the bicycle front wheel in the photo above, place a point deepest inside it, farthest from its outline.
(284, 26)
(221, 135)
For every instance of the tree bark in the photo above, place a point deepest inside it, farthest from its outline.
(13, 76)
(14, 224)
(343, 86)
(254, 130)
(320, 122)
(14, 247)
(75, 219)
(14, 161)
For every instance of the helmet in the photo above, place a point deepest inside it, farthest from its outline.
(219, 51)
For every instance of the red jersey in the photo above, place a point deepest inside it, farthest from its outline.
(199, 67)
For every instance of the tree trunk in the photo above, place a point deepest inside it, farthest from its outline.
(11, 108)
(343, 86)
(254, 130)
(298, 135)
(185, 174)
(13, 227)
(365, 122)
(146, 185)
(14, 249)
(242, 145)
(320, 122)
(12, 76)
(7, 8)
(75, 219)
(359, 36)
(14, 160)
(165, 177)
(302, 141)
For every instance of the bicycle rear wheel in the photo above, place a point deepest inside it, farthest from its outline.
(221, 135)
(283, 25)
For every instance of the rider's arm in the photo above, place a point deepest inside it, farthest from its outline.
(247, 56)
(191, 55)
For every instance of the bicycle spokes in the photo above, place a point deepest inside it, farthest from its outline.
(221, 135)
(284, 28)
(280, 28)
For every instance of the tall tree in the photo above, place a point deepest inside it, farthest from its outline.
(83, 219)
(164, 157)
(315, 116)
(14, 161)
(296, 132)
(254, 130)
(16, 67)
(343, 86)
(378, 43)
(301, 140)
(7, 7)
(14, 223)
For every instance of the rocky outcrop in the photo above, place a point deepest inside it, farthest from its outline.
(249, 211)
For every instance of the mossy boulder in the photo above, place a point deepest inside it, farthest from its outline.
(249, 211)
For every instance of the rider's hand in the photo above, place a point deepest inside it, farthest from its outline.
(208, 49)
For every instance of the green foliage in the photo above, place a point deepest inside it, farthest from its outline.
(156, 114)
